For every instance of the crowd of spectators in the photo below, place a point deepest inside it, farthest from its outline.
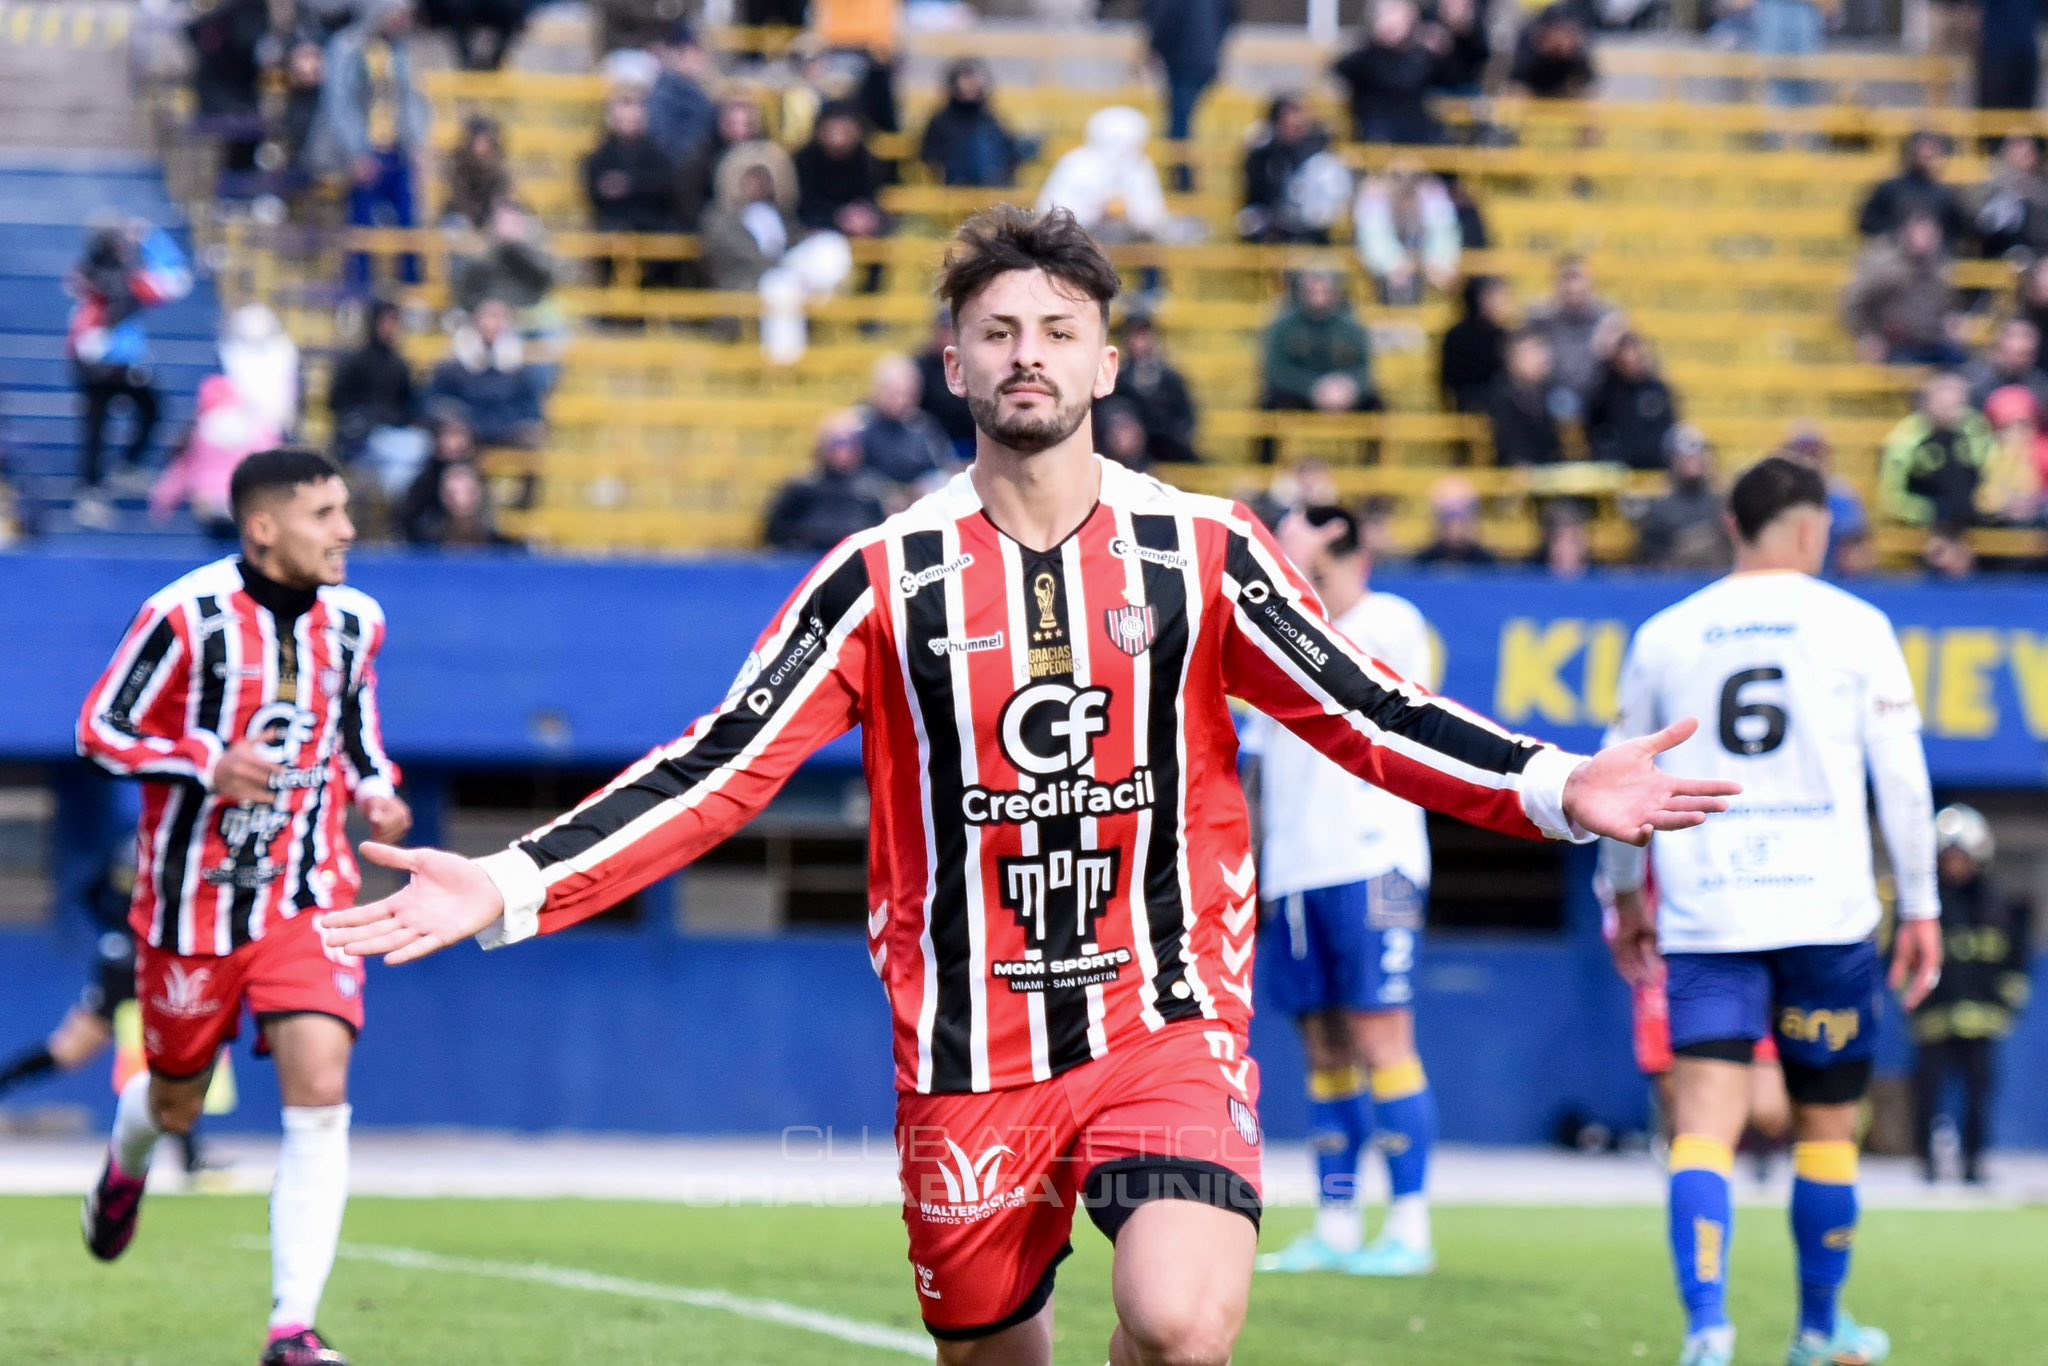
(1567, 377)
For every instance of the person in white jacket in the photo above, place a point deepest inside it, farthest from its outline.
(1408, 235)
(1109, 182)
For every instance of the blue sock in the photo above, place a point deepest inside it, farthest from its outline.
(1406, 1114)
(1823, 1228)
(1702, 1226)
(1339, 1123)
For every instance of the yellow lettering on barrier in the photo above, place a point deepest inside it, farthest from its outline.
(1963, 708)
(1914, 644)
(1603, 670)
(1532, 658)
(2030, 674)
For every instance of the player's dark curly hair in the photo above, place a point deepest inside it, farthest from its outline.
(999, 240)
(1769, 487)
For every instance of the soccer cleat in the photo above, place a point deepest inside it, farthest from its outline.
(1390, 1257)
(1709, 1347)
(1306, 1253)
(1852, 1345)
(303, 1348)
(111, 1209)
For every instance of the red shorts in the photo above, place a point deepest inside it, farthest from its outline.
(192, 1006)
(991, 1181)
(1653, 1034)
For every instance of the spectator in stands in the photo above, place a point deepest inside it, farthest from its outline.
(127, 268)
(899, 441)
(1408, 238)
(2009, 54)
(227, 65)
(1901, 306)
(479, 175)
(965, 144)
(1553, 57)
(226, 430)
(1687, 527)
(814, 82)
(2009, 212)
(486, 372)
(1157, 392)
(1574, 321)
(1850, 552)
(1454, 507)
(1318, 357)
(838, 180)
(1277, 205)
(947, 408)
(1917, 188)
(1109, 182)
(376, 406)
(753, 242)
(2014, 357)
(1938, 462)
(1631, 411)
(1457, 35)
(815, 513)
(1187, 38)
(449, 506)
(516, 267)
(482, 31)
(1475, 347)
(739, 126)
(1120, 434)
(1521, 409)
(305, 78)
(869, 33)
(354, 101)
(1389, 78)
(1788, 28)
(680, 115)
(262, 361)
(630, 181)
(1567, 548)
(2030, 295)
(2017, 418)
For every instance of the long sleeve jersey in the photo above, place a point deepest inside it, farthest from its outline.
(1060, 855)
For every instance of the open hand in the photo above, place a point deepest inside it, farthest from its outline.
(1622, 794)
(447, 899)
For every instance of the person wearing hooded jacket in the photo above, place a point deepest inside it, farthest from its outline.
(752, 241)
(1109, 182)
(965, 144)
(125, 270)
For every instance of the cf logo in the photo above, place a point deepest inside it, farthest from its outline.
(1077, 718)
(279, 730)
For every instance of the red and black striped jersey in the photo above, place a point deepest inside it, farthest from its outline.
(224, 654)
(1060, 855)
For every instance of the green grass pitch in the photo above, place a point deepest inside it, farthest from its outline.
(622, 1284)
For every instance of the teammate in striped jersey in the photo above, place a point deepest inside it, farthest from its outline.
(245, 698)
(1062, 886)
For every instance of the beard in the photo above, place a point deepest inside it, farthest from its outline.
(1027, 433)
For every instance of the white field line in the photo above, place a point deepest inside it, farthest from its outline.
(854, 1331)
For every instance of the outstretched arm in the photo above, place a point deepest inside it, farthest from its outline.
(1282, 656)
(799, 690)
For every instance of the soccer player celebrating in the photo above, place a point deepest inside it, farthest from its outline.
(245, 697)
(1767, 916)
(1344, 871)
(1060, 862)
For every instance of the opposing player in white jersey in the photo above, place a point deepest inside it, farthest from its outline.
(1344, 872)
(1767, 918)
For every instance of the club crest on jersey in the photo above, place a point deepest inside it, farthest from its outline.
(1132, 629)
(1244, 1121)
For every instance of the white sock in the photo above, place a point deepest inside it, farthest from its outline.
(1341, 1227)
(135, 1131)
(305, 1210)
(1408, 1222)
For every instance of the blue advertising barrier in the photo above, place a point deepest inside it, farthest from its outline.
(523, 662)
